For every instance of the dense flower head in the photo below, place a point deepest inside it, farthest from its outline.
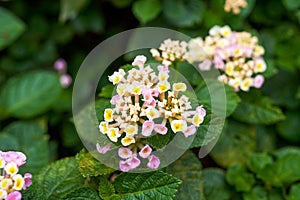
(237, 55)
(146, 103)
(234, 5)
(11, 182)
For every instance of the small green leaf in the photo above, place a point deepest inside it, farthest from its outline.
(183, 13)
(188, 169)
(215, 186)
(240, 178)
(258, 161)
(257, 192)
(289, 129)
(153, 185)
(57, 180)
(159, 141)
(106, 189)
(257, 112)
(82, 193)
(146, 10)
(11, 28)
(69, 9)
(90, 166)
(107, 91)
(294, 192)
(30, 94)
(236, 144)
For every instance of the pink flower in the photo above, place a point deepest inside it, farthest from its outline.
(60, 65)
(27, 179)
(139, 61)
(124, 152)
(155, 92)
(16, 195)
(154, 162)
(163, 68)
(65, 80)
(145, 151)
(129, 164)
(219, 64)
(205, 65)
(258, 81)
(104, 149)
(191, 130)
(13, 156)
(115, 99)
(147, 128)
(147, 95)
(201, 111)
(161, 129)
(247, 51)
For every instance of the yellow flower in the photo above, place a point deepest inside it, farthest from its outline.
(178, 125)
(245, 85)
(108, 115)
(18, 182)
(163, 86)
(126, 141)
(152, 113)
(113, 134)
(197, 119)
(121, 89)
(225, 31)
(103, 127)
(163, 76)
(258, 51)
(5, 183)
(11, 168)
(229, 68)
(2, 163)
(260, 66)
(131, 130)
(179, 87)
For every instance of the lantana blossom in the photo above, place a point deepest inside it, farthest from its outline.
(145, 103)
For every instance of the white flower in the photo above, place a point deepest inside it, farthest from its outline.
(179, 87)
(178, 125)
(139, 61)
(126, 141)
(131, 130)
(152, 113)
(18, 182)
(108, 115)
(163, 86)
(246, 84)
(113, 134)
(197, 119)
(260, 66)
(117, 76)
(103, 127)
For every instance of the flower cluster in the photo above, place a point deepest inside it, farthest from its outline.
(11, 183)
(65, 79)
(171, 50)
(234, 5)
(145, 104)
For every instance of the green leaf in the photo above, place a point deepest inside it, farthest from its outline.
(146, 10)
(183, 13)
(30, 94)
(69, 9)
(188, 169)
(57, 180)
(82, 193)
(238, 177)
(265, 139)
(13, 143)
(236, 144)
(106, 189)
(24, 133)
(90, 166)
(232, 99)
(289, 129)
(11, 28)
(294, 192)
(257, 192)
(159, 141)
(252, 111)
(259, 161)
(107, 91)
(153, 185)
(291, 4)
(215, 186)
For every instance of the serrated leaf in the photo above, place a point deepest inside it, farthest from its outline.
(294, 192)
(237, 176)
(236, 144)
(30, 94)
(11, 28)
(82, 193)
(257, 192)
(57, 180)
(153, 185)
(89, 166)
(69, 9)
(183, 13)
(215, 186)
(106, 189)
(146, 10)
(231, 99)
(257, 112)
(188, 169)
(27, 133)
